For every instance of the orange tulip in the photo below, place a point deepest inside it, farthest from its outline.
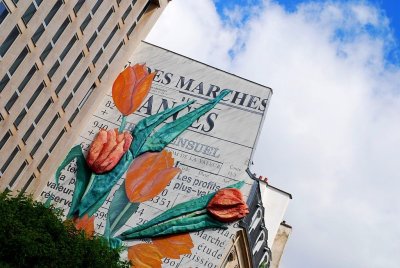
(131, 87)
(107, 149)
(148, 175)
(86, 224)
(144, 256)
(172, 246)
(228, 205)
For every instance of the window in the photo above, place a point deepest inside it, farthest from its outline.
(96, 58)
(86, 22)
(4, 82)
(46, 52)
(61, 29)
(72, 118)
(96, 6)
(53, 121)
(10, 158)
(107, 16)
(52, 12)
(22, 167)
(128, 34)
(116, 51)
(91, 40)
(37, 34)
(103, 72)
(35, 95)
(75, 89)
(27, 78)
(60, 86)
(68, 47)
(110, 36)
(3, 11)
(5, 139)
(44, 109)
(28, 133)
(44, 159)
(126, 13)
(87, 95)
(9, 40)
(28, 183)
(57, 140)
(18, 60)
(67, 101)
(78, 6)
(77, 60)
(30, 11)
(19, 118)
(53, 69)
(35, 148)
(144, 10)
(11, 101)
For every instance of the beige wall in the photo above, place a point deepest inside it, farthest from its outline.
(88, 69)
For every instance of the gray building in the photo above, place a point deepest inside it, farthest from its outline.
(57, 58)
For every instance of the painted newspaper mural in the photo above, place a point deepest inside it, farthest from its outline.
(160, 168)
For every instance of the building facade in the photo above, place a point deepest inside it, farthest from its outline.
(57, 58)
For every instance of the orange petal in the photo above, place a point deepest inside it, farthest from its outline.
(96, 146)
(122, 90)
(108, 147)
(144, 256)
(142, 88)
(172, 246)
(86, 224)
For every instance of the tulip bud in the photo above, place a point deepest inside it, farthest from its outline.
(131, 87)
(107, 149)
(228, 205)
(148, 175)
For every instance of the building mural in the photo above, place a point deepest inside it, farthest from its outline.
(162, 169)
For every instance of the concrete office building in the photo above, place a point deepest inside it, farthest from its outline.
(57, 57)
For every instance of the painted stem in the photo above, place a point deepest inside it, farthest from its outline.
(123, 124)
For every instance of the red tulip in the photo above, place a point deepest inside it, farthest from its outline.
(148, 175)
(228, 205)
(131, 87)
(107, 149)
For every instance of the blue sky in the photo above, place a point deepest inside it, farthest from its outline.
(389, 8)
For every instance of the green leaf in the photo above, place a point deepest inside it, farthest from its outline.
(170, 131)
(83, 174)
(76, 151)
(102, 185)
(145, 126)
(180, 210)
(121, 209)
(181, 225)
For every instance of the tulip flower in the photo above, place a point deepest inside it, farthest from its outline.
(148, 175)
(85, 224)
(107, 149)
(227, 205)
(144, 256)
(172, 246)
(131, 87)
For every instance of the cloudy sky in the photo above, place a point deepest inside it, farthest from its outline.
(332, 132)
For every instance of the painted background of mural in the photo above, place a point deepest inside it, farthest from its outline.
(213, 153)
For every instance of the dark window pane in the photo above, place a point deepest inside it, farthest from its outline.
(87, 95)
(103, 22)
(10, 158)
(110, 36)
(18, 173)
(15, 1)
(66, 102)
(9, 41)
(27, 78)
(143, 10)
(19, 118)
(11, 101)
(116, 52)
(57, 140)
(91, 40)
(118, 2)
(52, 12)
(53, 121)
(37, 34)
(96, 58)
(61, 30)
(5, 139)
(126, 13)
(131, 30)
(3, 12)
(68, 47)
(18, 60)
(44, 159)
(78, 59)
(96, 6)
(78, 6)
(44, 109)
(35, 148)
(30, 11)
(53, 69)
(134, 2)
(86, 22)
(75, 89)
(60, 86)
(72, 118)
(28, 133)
(28, 183)
(38, 2)
(4, 82)
(46, 52)
(103, 72)
(35, 95)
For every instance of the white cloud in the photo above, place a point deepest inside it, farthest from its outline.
(332, 132)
